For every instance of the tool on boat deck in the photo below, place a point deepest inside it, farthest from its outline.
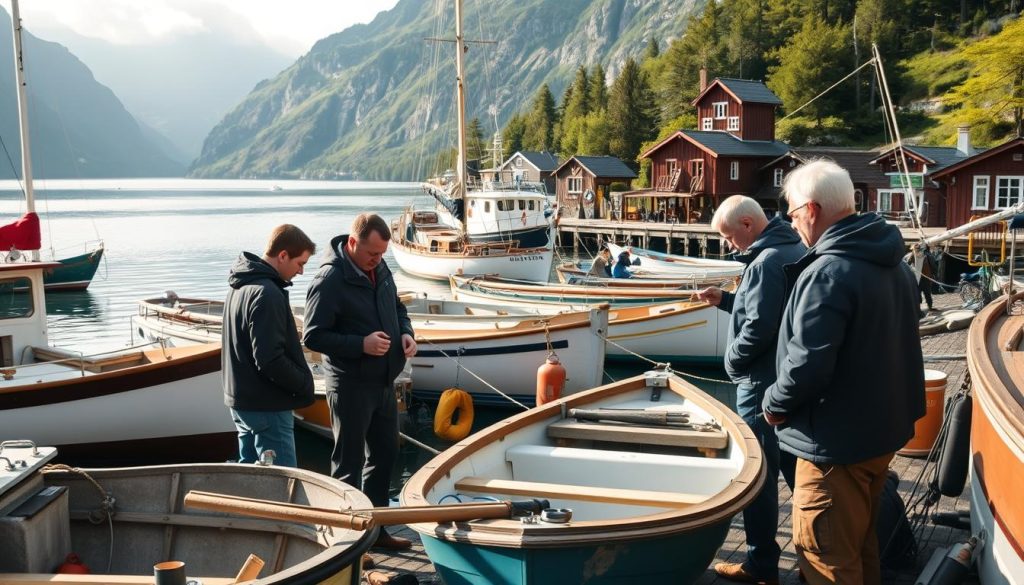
(362, 519)
(640, 417)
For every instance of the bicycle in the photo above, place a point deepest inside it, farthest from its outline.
(978, 288)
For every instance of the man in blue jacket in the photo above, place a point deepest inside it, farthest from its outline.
(264, 372)
(850, 380)
(354, 318)
(756, 309)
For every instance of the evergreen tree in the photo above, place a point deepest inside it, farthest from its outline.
(653, 50)
(475, 149)
(746, 40)
(540, 121)
(701, 46)
(813, 60)
(576, 108)
(512, 136)
(630, 113)
(597, 94)
(593, 136)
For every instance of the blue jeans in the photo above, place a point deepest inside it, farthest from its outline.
(761, 518)
(260, 431)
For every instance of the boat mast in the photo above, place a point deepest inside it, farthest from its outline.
(19, 80)
(916, 201)
(460, 49)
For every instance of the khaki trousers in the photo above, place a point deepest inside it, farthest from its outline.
(834, 513)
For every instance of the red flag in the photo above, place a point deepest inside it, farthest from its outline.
(23, 234)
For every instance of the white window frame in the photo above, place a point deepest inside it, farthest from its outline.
(887, 195)
(980, 182)
(734, 123)
(1009, 179)
(734, 170)
(777, 176)
(519, 162)
(578, 182)
(721, 110)
(707, 124)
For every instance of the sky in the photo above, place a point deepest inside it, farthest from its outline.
(289, 27)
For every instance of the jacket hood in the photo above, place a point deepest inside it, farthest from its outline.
(777, 233)
(864, 237)
(333, 253)
(249, 268)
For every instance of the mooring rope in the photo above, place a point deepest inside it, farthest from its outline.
(459, 365)
(106, 502)
(667, 366)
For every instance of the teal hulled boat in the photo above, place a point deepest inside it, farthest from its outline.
(644, 476)
(74, 273)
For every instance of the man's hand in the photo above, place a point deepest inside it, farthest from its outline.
(408, 345)
(774, 419)
(376, 343)
(712, 296)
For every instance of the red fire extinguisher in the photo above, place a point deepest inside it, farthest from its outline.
(74, 565)
(550, 380)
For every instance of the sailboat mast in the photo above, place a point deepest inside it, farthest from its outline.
(19, 81)
(460, 50)
(890, 112)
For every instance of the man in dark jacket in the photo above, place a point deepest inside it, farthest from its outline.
(756, 309)
(265, 374)
(850, 378)
(354, 318)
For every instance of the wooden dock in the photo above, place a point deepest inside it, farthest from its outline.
(929, 536)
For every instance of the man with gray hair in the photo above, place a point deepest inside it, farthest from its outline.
(850, 376)
(756, 309)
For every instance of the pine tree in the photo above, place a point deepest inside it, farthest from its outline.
(475, 141)
(576, 108)
(746, 41)
(630, 113)
(653, 50)
(597, 92)
(513, 134)
(701, 46)
(540, 121)
(813, 60)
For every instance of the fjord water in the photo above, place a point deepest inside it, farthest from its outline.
(184, 235)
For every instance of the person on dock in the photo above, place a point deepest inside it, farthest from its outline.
(755, 313)
(599, 267)
(265, 374)
(850, 376)
(355, 319)
(621, 268)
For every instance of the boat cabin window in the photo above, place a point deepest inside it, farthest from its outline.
(16, 298)
(522, 205)
(531, 205)
(487, 206)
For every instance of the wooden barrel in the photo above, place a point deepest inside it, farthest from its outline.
(926, 429)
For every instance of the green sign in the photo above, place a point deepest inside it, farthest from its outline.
(900, 181)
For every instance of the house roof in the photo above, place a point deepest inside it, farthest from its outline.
(982, 154)
(937, 157)
(602, 166)
(541, 160)
(744, 90)
(857, 161)
(723, 143)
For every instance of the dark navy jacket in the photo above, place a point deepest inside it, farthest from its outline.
(756, 310)
(343, 307)
(850, 376)
(261, 358)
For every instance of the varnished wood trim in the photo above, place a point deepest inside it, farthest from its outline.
(582, 493)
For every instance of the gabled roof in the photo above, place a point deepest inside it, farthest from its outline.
(936, 157)
(602, 166)
(542, 160)
(723, 143)
(859, 162)
(982, 154)
(746, 91)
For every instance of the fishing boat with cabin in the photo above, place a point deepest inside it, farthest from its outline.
(643, 477)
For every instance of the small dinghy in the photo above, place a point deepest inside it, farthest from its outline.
(643, 476)
(121, 522)
(674, 265)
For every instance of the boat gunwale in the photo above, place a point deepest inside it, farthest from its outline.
(484, 282)
(1004, 401)
(529, 325)
(720, 507)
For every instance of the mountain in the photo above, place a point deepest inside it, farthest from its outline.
(79, 128)
(180, 87)
(377, 99)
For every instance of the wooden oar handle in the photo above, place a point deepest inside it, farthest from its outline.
(276, 510)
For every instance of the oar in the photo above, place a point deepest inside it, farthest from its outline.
(361, 519)
(650, 417)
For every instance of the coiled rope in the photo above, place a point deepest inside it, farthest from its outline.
(106, 503)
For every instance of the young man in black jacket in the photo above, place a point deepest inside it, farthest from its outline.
(354, 318)
(265, 374)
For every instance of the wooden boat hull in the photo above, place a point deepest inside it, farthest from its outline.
(647, 507)
(151, 524)
(680, 558)
(507, 358)
(165, 407)
(74, 273)
(995, 358)
(670, 264)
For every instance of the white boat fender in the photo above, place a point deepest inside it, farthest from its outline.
(956, 448)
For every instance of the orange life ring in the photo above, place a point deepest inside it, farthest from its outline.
(453, 400)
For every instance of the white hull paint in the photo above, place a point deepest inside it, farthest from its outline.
(173, 334)
(997, 562)
(179, 408)
(668, 264)
(533, 265)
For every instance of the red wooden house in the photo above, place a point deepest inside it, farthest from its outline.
(867, 178)
(983, 183)
(692, 170)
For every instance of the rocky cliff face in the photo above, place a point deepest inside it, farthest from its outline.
(377, 99)
(78, 126)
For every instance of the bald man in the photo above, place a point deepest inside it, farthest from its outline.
(756, 310)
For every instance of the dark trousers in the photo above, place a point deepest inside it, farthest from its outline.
(364, 420)
(761, 517)
(925, 286)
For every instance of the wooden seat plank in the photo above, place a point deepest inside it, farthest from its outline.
(570, 429)
(578, 492)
